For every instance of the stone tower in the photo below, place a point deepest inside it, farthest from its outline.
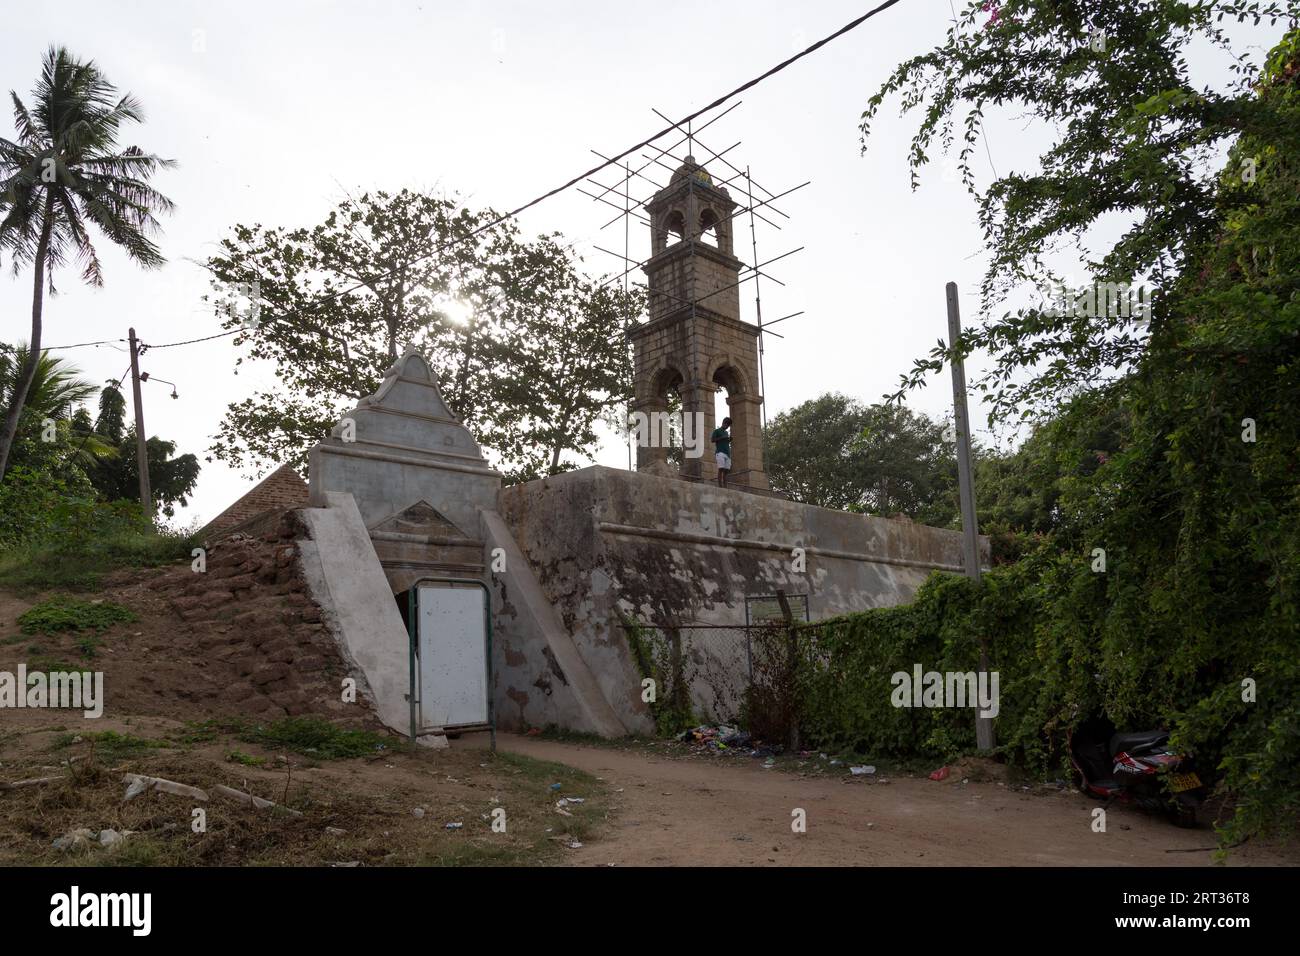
(695, 341)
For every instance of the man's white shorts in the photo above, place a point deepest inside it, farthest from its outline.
(724, 461)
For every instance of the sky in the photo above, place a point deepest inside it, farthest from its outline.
(277, 111)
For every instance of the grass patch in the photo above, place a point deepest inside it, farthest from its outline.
(209, 731)
(247, 760)
(109, 745)
(309, 736)
(63, 613)
(316, 737)
(78, 563)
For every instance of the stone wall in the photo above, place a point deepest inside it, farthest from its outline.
(256, 626)
(607, 544)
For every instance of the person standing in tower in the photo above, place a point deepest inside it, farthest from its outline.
(722, 442)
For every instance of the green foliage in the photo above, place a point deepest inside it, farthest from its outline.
(315, 737)
(846, 663)
(58, 464)
(77, 540)
(835, 452)
(246, 760)
(660, 657)
(47, 457)
(528, 352)
(310, 736)
(116, 477)
(48, 663)
(109, 745)
(63, 173)
(1136, 136)
(1180, 459)
(63, 613)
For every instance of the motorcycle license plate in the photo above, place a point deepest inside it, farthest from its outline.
(1178, 782)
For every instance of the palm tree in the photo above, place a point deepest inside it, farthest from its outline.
(56, 390)
(64, 173)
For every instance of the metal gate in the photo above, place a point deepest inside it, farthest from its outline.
(450, 631)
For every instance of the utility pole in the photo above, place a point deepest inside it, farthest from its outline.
(141, 447)
(984, 737)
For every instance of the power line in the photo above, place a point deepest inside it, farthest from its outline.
(206, 338)
(614, 160)
(611, 161)
(78, 345)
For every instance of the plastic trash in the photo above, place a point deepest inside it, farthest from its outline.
(864, 770)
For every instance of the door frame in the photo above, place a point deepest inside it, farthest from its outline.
(413, 628)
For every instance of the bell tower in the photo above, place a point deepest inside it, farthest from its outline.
(695, 341)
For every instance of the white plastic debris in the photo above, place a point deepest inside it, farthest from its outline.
(111, 836)
(75, 838)
(864, 770)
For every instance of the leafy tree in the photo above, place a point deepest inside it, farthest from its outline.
(1136, 136)
(48, 456)
(809, 452)
(527, 351)
(1165, 589)
(116, 478)
(64, 173)
(54, 398)
(835, 452)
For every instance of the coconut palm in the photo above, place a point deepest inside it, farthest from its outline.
(56, 391)
(63, 174)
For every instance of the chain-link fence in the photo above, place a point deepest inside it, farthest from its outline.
(718, 673)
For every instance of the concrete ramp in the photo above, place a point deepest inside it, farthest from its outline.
(345, 578)
(534, 640)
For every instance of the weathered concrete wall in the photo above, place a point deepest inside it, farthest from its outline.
(532, 639)
(605, 543)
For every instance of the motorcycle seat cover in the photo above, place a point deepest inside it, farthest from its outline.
(1141, 740)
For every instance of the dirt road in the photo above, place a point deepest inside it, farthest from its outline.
(732, 812)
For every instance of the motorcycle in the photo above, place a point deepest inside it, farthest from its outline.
(1137, 768)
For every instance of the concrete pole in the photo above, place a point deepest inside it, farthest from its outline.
(984, 737)
(141, 446)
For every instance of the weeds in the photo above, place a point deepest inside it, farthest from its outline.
(110, 746)
(62, 613)
(309, 736)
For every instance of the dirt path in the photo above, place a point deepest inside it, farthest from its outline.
(684, 812)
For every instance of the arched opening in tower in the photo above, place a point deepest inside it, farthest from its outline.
(675, 225)
(658, 422)
(709, 228)
(733, 400)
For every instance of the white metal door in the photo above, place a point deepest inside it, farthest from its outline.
(452, 630)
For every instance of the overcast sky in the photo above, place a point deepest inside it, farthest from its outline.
(275, 109)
